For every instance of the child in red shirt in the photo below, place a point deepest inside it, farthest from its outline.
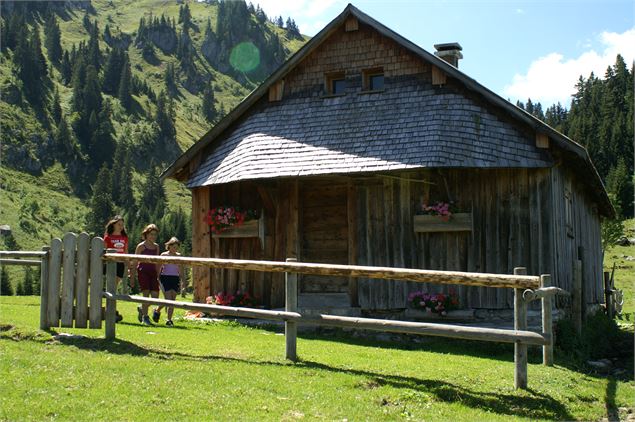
(115, 237)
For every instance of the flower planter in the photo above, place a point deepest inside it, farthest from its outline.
(252, 228)
(458, 222)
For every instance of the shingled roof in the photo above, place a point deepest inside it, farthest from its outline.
(407, 126)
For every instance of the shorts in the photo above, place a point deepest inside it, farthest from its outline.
(171, 282)
(120, 269)
(148, 281)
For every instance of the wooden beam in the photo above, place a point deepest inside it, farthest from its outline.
(542, 140)
(520, 324)
(276, 90)
(547, 321)
(267, 198)
(217, 309)
(406, 327)
(291, 305)
(438, 76)
(25, 262)
(201, 241)
(44, 289)
(351, 214)
(352, 24)
(23, 254)
(407, 274)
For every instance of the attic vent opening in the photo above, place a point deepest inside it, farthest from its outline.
(335, 83)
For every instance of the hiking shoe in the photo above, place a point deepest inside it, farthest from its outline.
(156, 315)
(146, 320)
(169, 323)
(139, 314)
(119, 317)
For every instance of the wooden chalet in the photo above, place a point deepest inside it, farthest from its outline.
(339, 148)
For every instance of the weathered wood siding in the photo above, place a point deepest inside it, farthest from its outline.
(518, 218)
(576, 236)
(323, 232)
(511, 228)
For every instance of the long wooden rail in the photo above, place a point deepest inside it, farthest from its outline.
(405, 274)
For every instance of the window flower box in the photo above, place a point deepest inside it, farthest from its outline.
(251, 228)
(457, 222)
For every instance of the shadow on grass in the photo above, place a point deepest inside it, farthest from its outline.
(530, 404)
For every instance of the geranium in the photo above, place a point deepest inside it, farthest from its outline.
(443, 209)
(238, 298)
(438, 303)
(223, 218)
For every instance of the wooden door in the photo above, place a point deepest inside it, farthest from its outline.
(323, 233)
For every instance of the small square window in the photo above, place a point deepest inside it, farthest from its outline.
(338, 86)
(335, 83)
(374, 79)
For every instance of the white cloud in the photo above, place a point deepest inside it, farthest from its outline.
(552, 78)
(304, 12)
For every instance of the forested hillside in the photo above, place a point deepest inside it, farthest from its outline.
(601, 118)
(99, 96)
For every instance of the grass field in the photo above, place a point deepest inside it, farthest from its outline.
(624, 269)
(226, 371)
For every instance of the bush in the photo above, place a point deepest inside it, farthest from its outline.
(600, 338)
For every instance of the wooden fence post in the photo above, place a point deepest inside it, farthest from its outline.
(44, 289)
(96, 282)
(608, 294)
(81, 281)
(291, 305)
(520, 323)
(547, 323)
(55, 273)
(576, 296)
(68, 279)
(111, 304)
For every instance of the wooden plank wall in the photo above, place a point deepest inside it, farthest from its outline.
(510, 223)
(585, 234)
(514, 224)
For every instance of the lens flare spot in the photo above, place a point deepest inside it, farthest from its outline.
(244, 57)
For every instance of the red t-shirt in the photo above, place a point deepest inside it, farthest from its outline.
(119, 242)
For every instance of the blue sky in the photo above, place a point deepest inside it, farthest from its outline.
(518, 49)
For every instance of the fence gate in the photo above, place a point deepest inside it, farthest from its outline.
(72, 295)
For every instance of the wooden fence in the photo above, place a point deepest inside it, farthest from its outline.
(73, 288)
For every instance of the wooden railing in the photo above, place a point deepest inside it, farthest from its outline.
(73, 290)
(525, 287)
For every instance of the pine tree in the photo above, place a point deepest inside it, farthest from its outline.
(164, 117)
(56, 108)
(5, 284)
(65, 145)
(619, 184)
(102, 145)
(31, 64)
(124, 85)
(53, 40)
(19, 289)
(112, 71)
(169, 78)
(93, 53)
(28, 282)
(101, 206)
(153, 199)
(208, 106)
(122, 193)
(66, 69)
(185, 16)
